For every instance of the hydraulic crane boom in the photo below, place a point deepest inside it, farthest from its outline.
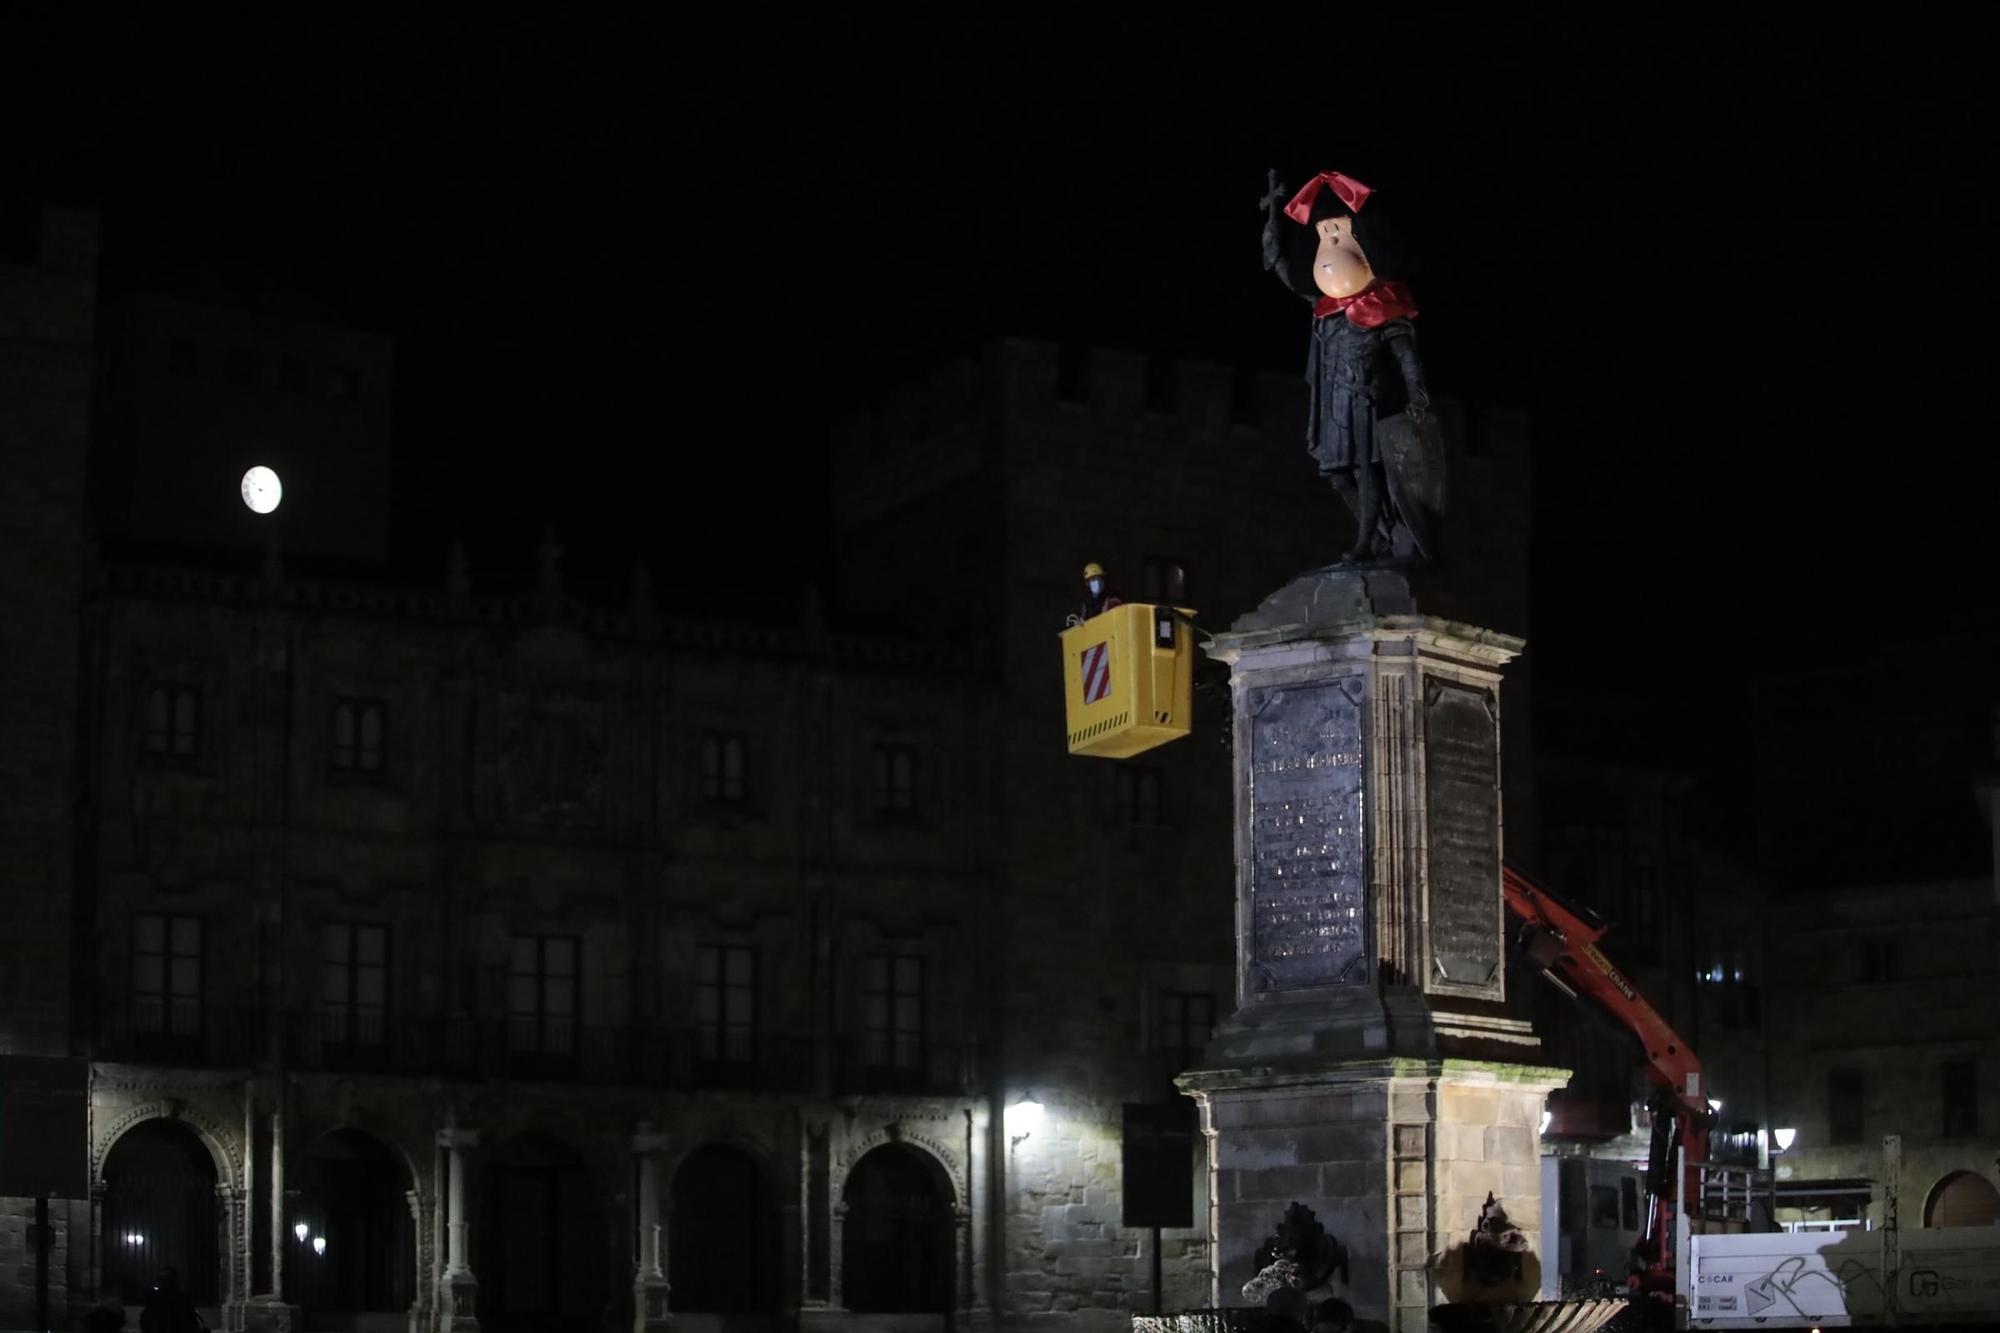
(1563, 944)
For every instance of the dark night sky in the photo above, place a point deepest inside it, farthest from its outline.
(1740, 274)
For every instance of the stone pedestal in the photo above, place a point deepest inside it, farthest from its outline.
(1370, 1070)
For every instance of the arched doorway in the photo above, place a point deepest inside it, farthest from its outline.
(160, 1212)
(722, 1235)
(897, 1237)
(1962, 1199)
(542, 1254)
(358, 1252)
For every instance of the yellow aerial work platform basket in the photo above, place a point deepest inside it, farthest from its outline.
(1128, 680)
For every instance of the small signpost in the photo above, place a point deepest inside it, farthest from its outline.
(1159, 1170)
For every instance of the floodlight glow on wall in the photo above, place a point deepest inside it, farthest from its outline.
(1785, 1138)
(1024, 1117)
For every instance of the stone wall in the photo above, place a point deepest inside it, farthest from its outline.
(1396, 1158)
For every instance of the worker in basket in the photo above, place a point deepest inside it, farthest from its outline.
(1097, 595)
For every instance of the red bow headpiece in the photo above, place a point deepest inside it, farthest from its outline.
(1350, 191)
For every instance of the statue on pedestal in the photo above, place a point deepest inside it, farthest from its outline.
(1370, 426)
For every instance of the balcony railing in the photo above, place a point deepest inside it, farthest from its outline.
(907, 1064)
(190, 1036)
(338, 1041)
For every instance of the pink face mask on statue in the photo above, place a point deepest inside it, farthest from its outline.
(1339, 267)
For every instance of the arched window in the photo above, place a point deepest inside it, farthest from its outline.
(723, 1234)
(896, 1244)
(160, 1213)
(1963, 1199)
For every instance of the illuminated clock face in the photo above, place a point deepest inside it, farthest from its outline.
(262, 490)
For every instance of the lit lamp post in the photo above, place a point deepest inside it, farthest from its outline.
(1024, 1117)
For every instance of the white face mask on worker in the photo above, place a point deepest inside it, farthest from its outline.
(1096, 586)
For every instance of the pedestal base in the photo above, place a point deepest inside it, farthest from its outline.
(458, 1302)
(1395, 1155)
(649, 1306)
(264, 1314)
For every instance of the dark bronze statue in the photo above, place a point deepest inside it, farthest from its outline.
(1370, 426)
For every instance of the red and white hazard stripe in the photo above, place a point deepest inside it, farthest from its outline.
(1097, 673)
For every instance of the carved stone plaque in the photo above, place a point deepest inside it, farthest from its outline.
(1462, 763)
(1308, 855)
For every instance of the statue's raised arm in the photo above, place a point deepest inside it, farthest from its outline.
(1287, 250)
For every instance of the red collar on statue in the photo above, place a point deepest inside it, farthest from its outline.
(1371, 307)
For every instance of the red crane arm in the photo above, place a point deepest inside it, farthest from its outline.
(1564, 946)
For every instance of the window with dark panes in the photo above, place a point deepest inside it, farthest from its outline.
(173, 721)
(1628, 1203)
(1881, 960)
(1187, 1020)
(1135, 794)
(166, 974)
(1166, 579)
(359, 730)
(895, 780)
(725, 764)
(1961, 1099)
(893, 1012)
(1843, 1106)
(725, 994)
(354, 982)
(542, 995)
(1603, 1208)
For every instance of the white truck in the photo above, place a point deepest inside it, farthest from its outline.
(1884, 1277)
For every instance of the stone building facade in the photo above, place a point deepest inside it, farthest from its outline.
(1889, 1023)
(545, 897)
(443, 953)
(48, 306)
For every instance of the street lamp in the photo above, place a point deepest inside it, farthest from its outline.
(1024, 1117)
(1784, 1138)
(319, 1244)
(301, 1230)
